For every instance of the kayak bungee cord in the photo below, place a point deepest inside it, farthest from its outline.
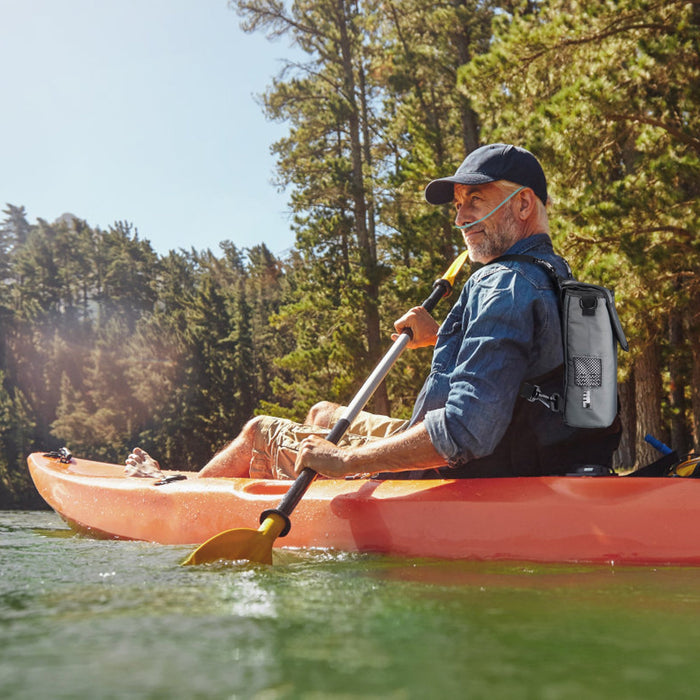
(244, 544)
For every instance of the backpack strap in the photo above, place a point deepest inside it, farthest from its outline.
(546, 266)
(528, 389)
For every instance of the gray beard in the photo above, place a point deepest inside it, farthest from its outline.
(495, 242)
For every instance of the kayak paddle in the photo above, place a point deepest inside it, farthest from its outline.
(256, 545)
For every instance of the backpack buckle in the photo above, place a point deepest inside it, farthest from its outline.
(533, 393)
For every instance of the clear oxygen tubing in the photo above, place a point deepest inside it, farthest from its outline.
(493, 211)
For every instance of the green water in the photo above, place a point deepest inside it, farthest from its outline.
(83, 618)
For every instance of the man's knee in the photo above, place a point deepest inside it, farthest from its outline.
(252, 429)
(321, 414)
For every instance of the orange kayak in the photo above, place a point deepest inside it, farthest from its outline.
(544, 519)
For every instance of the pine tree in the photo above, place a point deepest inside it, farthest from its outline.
(331, 163)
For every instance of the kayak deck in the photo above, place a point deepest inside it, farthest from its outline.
(544, 519)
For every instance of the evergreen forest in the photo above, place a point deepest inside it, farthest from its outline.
(106, 345)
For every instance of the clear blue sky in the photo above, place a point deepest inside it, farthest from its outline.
(143, 111)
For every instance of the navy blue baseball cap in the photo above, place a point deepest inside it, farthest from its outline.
(497, 161)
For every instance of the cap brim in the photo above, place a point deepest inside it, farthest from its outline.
(442, 191)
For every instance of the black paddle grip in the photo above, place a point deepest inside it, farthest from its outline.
(294, 495)
(338, 430)
(441, 288)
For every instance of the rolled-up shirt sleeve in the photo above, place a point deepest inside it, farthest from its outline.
(499, 321)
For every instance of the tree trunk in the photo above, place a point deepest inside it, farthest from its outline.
(469, 120)
(647, 387)
(367, 249)
(695, 384)
(679, 432)
(625, 457)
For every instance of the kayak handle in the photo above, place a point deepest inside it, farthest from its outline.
(657, 444)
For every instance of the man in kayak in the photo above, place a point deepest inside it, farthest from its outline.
(469, 419)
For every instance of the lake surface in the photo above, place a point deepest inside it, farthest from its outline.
(84, 618)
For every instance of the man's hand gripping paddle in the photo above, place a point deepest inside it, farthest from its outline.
(256, 545)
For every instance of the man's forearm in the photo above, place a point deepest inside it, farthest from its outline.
(411, 449)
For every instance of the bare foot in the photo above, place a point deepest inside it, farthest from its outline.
(140, 463)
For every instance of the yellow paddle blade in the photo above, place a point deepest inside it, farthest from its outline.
(241, 544)
(453, 270)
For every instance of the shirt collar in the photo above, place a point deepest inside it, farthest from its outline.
(524, 245)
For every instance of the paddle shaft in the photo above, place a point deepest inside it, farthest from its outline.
(441, 288)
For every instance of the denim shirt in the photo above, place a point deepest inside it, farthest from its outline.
(503, 329)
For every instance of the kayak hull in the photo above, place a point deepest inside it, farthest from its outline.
(543, 519)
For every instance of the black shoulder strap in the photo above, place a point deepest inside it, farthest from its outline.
(548, 267)
(529, 389)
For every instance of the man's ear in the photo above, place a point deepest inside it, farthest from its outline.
(526, 201)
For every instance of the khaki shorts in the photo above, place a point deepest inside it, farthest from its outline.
(276, 444)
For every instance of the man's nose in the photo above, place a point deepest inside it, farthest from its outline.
(462, 217)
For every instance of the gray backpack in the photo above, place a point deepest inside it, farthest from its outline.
(591, 331)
